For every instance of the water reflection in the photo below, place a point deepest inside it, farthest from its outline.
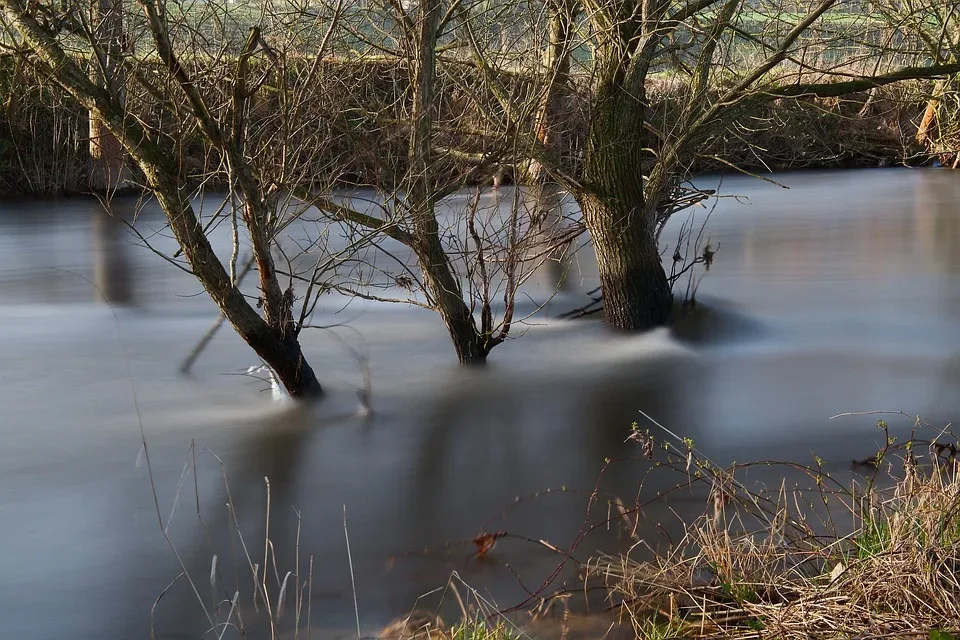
(551, 208)
(937, 226)
(112, 265)
(445, 468)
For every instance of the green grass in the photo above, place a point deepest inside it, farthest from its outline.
(873, 540)
(480, 629)
(657, 628)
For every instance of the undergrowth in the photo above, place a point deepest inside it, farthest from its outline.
(479, 619)
(880, 558)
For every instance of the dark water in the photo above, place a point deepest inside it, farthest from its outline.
(839, 294)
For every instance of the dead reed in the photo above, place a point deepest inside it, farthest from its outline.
(877, 559)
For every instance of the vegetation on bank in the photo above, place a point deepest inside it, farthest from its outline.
(880, 558)
(44, 134)
(876, 558)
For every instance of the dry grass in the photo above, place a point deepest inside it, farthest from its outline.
(878, 560)
(421, 625)
(479, 619)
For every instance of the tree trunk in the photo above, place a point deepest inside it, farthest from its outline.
(621, 222)
(285, 357)
(108, 167)
(276, 345)
(930, 115)
(439, 278)
(636, 294)
(549, 127)
(555, 103)
(447, 298)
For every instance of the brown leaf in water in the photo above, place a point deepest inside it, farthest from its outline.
(485, 542)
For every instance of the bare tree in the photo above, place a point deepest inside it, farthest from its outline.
(730, 57)
(933, 29)
(459, 127)
(190, 75)
(264, 103)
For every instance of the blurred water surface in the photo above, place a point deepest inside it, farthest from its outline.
(838, 294)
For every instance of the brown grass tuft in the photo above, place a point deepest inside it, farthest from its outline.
(878, 560)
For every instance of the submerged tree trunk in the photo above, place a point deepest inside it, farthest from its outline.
(285, 357)
(621, 222)
(636, 294)
(441, 281)
(444, 289)
(278, 346)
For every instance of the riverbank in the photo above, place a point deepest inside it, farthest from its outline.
(877, 557)
(44, 133)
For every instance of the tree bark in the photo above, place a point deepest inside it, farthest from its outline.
(636, 294)
(108, 166)
(621, 222)
(445, 292)
(929, 120)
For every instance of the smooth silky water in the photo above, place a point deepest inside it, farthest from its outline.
(838, 294)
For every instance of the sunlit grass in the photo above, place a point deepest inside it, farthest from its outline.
(480, 629)
(880, 558)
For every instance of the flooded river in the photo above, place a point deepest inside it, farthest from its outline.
(839, 294)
